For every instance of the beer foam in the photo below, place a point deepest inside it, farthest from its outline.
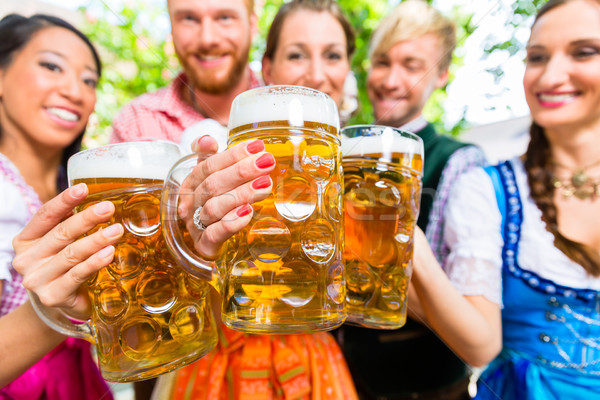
(360, 145)
(145, 160)
(295, 104)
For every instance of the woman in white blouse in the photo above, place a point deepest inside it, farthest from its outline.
(524, 236)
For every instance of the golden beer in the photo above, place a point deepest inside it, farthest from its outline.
(381, 204)
(284, 271)
(149, 315)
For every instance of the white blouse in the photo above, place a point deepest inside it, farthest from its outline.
(13, 217)
(474, 236)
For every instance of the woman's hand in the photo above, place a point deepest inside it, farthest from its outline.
(55, 259)
(224, 185)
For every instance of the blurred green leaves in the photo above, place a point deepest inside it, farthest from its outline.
(135, 61)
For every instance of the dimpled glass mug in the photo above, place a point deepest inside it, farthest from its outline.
(284, 272)
(150, 316)
(382, 189)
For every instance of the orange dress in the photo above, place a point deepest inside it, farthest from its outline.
(266, 367)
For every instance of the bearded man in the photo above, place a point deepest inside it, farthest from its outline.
(212, 40)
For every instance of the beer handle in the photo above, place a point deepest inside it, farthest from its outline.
(188, 259)
(63, 324)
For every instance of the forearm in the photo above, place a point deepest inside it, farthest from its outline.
(471, 326)
(24, 340)
(414, 309)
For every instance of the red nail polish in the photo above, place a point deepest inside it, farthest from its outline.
(261, 183)
(255, 147)
(265, 161)
(244, 210)
(202, 137)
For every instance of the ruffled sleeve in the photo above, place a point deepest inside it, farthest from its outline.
(473, 234)
(13, 216)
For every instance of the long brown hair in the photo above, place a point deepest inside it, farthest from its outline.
(539, 173)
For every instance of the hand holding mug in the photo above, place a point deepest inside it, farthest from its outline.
(55, 259)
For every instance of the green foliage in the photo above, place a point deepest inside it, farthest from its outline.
(134, 62)
(364, 16)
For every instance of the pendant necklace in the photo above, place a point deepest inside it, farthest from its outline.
(580, 185)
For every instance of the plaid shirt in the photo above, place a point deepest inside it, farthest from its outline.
(162, 114)
(19, 202)
(459, 162)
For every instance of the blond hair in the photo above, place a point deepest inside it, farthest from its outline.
(250, 6)
(410, 20)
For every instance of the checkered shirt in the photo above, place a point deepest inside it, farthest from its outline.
(162, 114)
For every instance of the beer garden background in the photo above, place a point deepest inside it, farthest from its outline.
(137, 53)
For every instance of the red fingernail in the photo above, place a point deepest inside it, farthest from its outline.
(255, 147)
(244, 210)
(261, 183)
(202, 137)
(265, 161)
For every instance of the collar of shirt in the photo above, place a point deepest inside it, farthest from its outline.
(415, 125)
(173, 104)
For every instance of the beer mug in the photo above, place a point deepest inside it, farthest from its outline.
(284, 272)
(382, 188)
(149, 316)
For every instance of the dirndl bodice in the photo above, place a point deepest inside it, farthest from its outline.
(551, 333)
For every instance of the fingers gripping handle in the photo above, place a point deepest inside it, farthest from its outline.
(175, 192)
(59, 321)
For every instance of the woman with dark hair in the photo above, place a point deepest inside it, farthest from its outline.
(524, 237)
(48, 76)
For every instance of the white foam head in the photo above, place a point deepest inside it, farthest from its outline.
(143, 159)
(295, 104)
(384, 140)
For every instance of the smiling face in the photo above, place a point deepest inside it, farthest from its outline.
(212, 40)
(562, 79)
(402, 79)
(311, 51)
(48, 91)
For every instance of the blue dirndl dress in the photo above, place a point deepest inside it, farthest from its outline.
(551, 333)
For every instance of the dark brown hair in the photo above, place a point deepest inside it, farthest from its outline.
(16, 31)
(330, 6)
(539, 173)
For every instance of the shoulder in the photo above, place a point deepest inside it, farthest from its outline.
(12, 199)
(134, 119)
(465, 158)
(13, 217)
(14, 206)
(440, 146)
(146, 102)
(474, 188)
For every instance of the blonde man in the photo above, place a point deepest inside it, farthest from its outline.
(410, 54)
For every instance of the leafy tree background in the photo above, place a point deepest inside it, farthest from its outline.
(138, 58)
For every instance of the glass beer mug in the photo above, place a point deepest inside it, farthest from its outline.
(149, 316)
(284, 272)
(382, 188)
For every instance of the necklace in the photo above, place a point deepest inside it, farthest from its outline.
(580, 185)
(197, 107)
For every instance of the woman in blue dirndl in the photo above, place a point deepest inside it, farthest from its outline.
(524, 236)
